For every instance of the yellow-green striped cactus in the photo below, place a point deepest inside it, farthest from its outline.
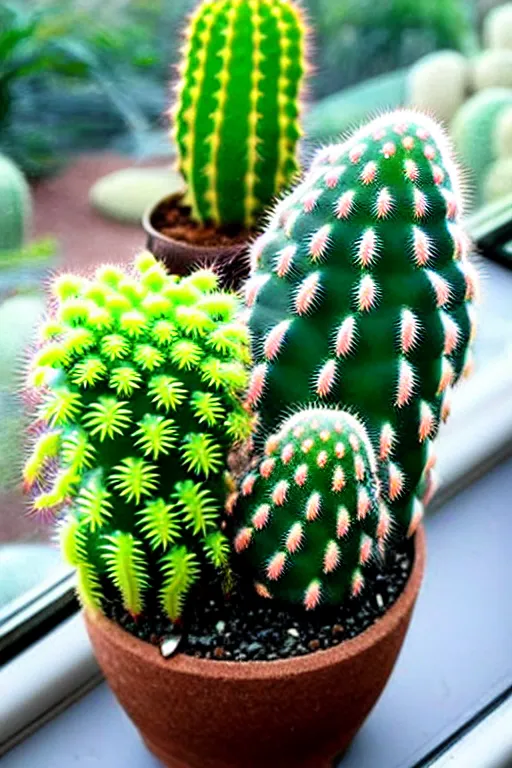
(138, 376)
(308, 518)
(236, 122)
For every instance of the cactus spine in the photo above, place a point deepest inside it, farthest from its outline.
(308, 516)
(15, 206)
(361, 296)
(138, 376)
(237, 112)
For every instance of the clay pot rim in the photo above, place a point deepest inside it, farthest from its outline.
(150, 230)
(190, 665)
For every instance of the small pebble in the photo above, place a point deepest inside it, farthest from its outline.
(220, 627)
(379, 600)
(293, 632)
(219, 653)
(314, 645)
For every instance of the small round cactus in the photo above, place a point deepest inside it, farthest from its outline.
(139, 376)
(308, 515)
(236, 122)
(361, 297)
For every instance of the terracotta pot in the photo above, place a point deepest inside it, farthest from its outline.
(231, 261)
(300, 712)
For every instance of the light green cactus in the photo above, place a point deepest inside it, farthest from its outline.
(361, 297)
(308, 516)
(236, 122)
(139, 376)
(15, 206)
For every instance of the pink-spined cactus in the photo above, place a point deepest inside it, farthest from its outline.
(361, 297)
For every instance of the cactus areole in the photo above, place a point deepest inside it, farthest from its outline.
(361, 296)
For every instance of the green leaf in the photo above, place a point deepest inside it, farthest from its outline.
(230, 338)
(217, 549)
(167, 392)
(63, 484)
(220, 305)
(93, 504)
(156, 435)
(133, 322)
(108, 417)
(224, 375)
(207, 408)
(127, 567)
(46, 447)
(160, 523)
(134, 478)
(164, 332)
(148, 357)
(77, 451)
(53, 354)
(114, 346)
(88, 586)
(125, 380)
(201, 453)
(186, 354)
(193, 320)
(180, 569)
(88, 372)
(61, 406)
(200, 509)
(239, 425)
(78, 340)
(73, 541)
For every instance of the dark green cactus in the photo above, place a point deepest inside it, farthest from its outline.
(237, 112)
(139, 376)
(361, 296)
(308, 518)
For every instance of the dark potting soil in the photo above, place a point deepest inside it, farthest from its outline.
(243, 627)
(174, 221)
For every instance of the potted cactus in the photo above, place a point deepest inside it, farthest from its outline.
(261, 521)
(236, 128)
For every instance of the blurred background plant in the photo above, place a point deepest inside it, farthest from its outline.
(363, 39)
(63, 82)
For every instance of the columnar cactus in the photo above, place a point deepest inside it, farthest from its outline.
(361, 296)
(138, 376)
(237, 112)
(15, 206)
(308, 515)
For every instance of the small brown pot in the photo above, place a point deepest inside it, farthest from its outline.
(231, 261)
(300, 712)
